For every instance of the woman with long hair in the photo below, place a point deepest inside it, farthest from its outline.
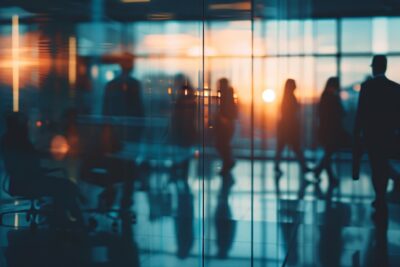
(289, 127)
(330, 129)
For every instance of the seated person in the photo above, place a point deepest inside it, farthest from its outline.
(29, 179)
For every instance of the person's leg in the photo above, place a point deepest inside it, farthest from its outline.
(324, 162)
(229, 155)
(226, 155)
(327, 164)
(183, 176)
(129, 175)
(127, 194)
(333, 180)
(380, 172)
(279, 148)
(300, 156)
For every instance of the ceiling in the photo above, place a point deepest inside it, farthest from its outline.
(134, 10)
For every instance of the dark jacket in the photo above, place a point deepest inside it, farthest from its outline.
(184, 122)
(331, 114)
(289, 124)
(123, 97)
(225, 119)
(378, 113)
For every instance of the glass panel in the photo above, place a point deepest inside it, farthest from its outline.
(188, 133)
(325, 36)
(357, 35)
(227, 118)
(393, 41)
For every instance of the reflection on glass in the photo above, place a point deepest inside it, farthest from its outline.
(164, 117)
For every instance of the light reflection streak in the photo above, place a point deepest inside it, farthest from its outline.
(15, 62)
(16, 220)
(72, 61)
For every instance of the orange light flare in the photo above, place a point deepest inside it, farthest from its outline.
(19, 61)
(59, 147)
(72, 62)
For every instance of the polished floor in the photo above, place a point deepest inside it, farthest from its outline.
(264, 221)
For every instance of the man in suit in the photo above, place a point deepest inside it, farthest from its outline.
(377, 119)
(122, 98)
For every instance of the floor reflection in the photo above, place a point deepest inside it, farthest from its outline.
(180, 217)
(224, 224)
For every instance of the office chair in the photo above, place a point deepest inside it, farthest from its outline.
(31, 213)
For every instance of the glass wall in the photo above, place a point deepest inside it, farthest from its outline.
(167, 125)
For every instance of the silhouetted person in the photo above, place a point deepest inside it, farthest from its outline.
(376, 123)
(289, 127)
(183, 126)
(225, 125)
(29, 179)
(330, 131)
(122, 98)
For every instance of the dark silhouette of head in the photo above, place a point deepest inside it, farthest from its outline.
(379, 64)
(182, 85)
(332, 85)
(226, 91)
(180, 80)
(290, 86)
(127, 62)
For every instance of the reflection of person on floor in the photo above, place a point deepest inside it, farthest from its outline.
(224, 224)
(377, 253)
(331, 240)
(331, 131)
(225, 125)
(289, 127)
(184, 228)
(29, 179)
(122, 97)
(377, 119)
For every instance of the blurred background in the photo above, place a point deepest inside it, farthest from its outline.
(57, 59)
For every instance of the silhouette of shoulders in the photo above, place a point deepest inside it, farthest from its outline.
(123, 97)
(379, 106)
(116, 83)
(380, 81)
